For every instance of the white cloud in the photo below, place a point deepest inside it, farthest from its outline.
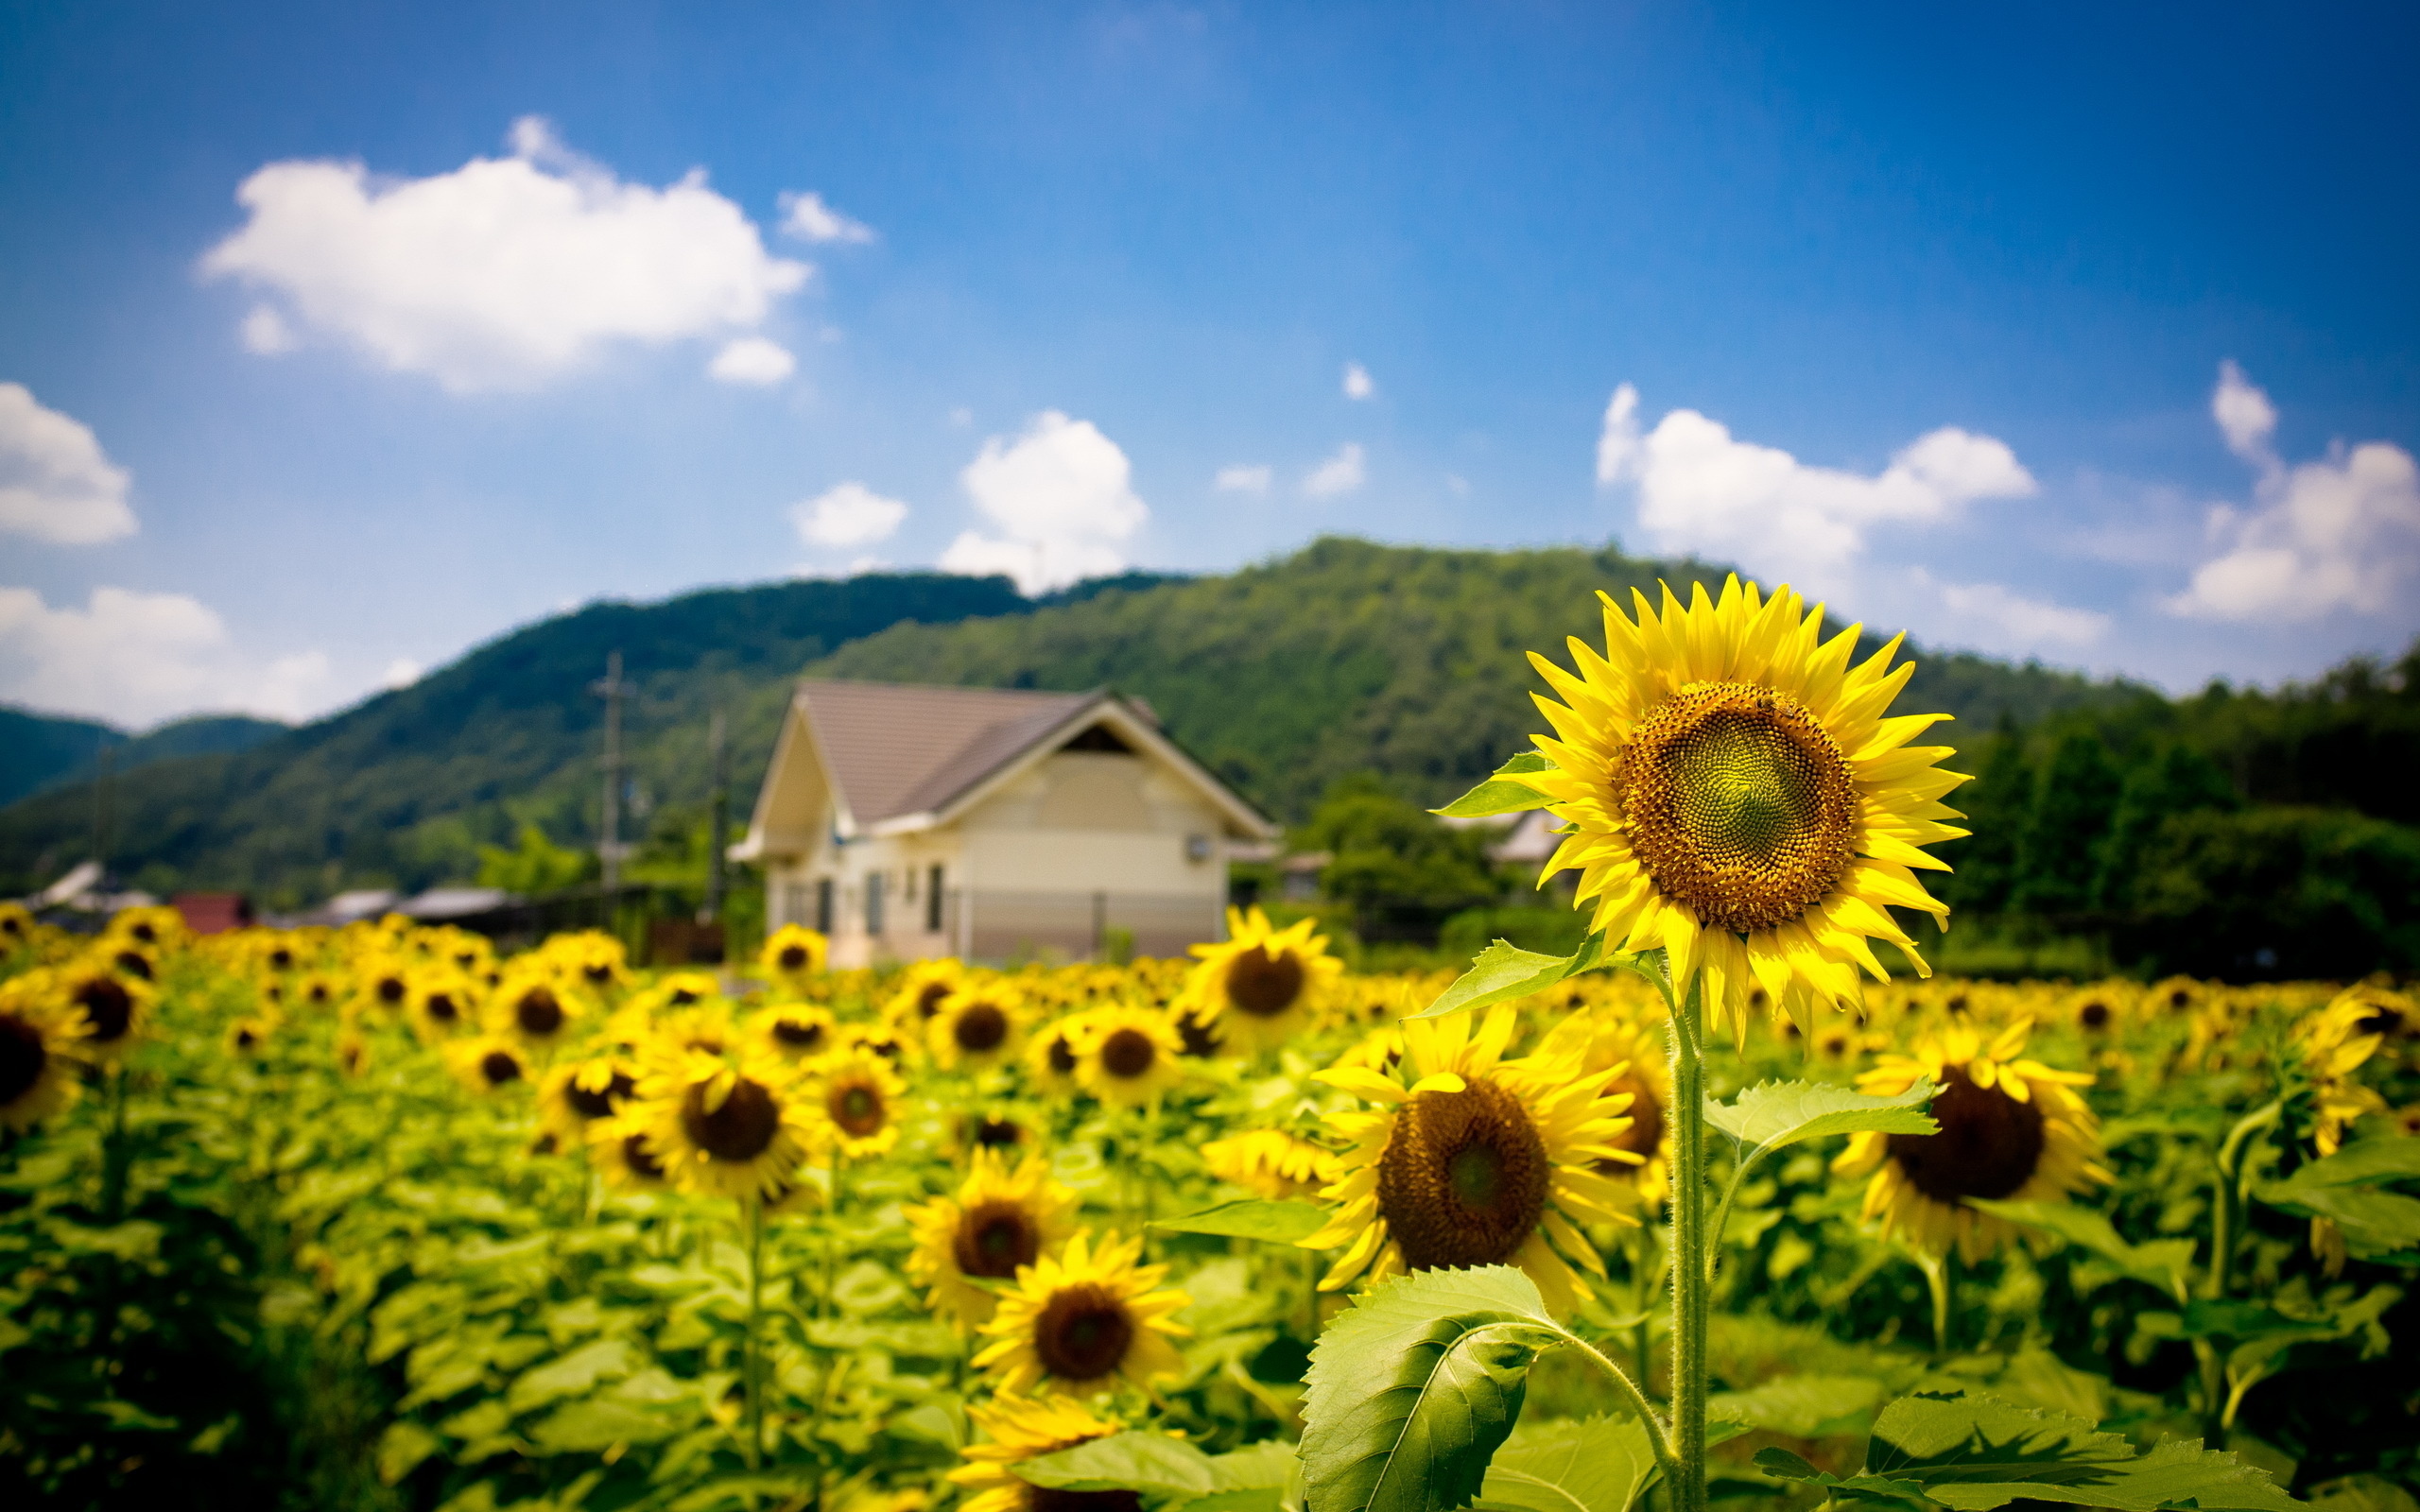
(1699, 489)
(401, 673)
(2010, 622)
(2340, 533)
(1242, 478)
(266, 333)
(808, 218)
(1063, 495)
(55, 483)
(140, 658)
(503, 273)
(1340, 474)
(1357, 382)
(848, 515)
(752, 360)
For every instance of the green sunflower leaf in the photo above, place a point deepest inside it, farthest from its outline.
(1567, 1465)
(1251, 1218)
(1412, 1391)
(2393, 1158)
(1502, 793)
(1972, 1452)
(2166, 1263)
(1802, 1407)
(1154, 1463)
(1504, 971)
(1772, 1114)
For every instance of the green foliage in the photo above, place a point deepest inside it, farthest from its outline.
(1972, 1452)
(1413, 1389)
(1251, 1218)
(535, 867)
(2350, 1189)
(1568, 1465)
(1503, 792)
(1383, 849)
(1503, 973)
(1773, 1115)
(2059, 852)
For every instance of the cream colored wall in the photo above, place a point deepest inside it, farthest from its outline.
(1094, 822)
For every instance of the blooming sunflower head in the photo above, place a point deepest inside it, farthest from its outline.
(794, 956)
(442, 1002)
(851, 1104)
(593, 958)
(153, 927)
(729, 1125)
(920, 991)
(796, 1031)
(37, 1070)
(1468, 1159)
(2331, 1046)
(488, 1063)
(1016, 1429)
(1619, 1043)
(621, 1152)
(2012, 1130)
(997, 1223)
(576, 1095)
(1128, 1057)
(533, 1007)
(1262, 986)
(979, 1026)
(16, 928)
(1050, 1056)
(1268, 1162)
(108, 1011)
(1083, 1320)
(1732, 793)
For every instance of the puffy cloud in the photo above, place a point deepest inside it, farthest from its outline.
(848, 515)
(1242, 478)
(1357, 382)
(1340, 474)
(141, 658)
(55, 483)
(752, 360)
(808, 218)
(1702, 489)
(1063, 496)
(501, 274)
(2340, 533)
(266, 333)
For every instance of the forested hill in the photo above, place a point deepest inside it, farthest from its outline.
(38, 751)
(1344, 657)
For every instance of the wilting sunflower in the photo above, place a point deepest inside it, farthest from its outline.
(490, 1063)
(2011, 1130)
(1127, 1055)
(1263, 986)
(1268, 1162)
(1083, 1320)
(731, 1126)
(37, 1073)
(1016, 1429)
(794, 956)
(1732, 793)
(574, 1096)
(979, 1026)
(853, 1105)
(533, 1008)
(1472, 1160)
(998, 1221)
(620, 1151)
(108, 1011)
(795, 1031)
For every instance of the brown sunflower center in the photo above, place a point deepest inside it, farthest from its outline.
(134, 964)
(856, 1107)
(538, 1012)
(2094, 1015)
(1199, 1039)
(108, 1009)
(498, 1067)
(441, 1008)
(22, 1055)
(389, 990)
(793, 958)
(1740, 804)
(1989, 1146)
(1084, 1333)
(798, 1034)
(597, 1104)
(997, 1133)
(640, 1159)
(1263, 985)
(993, 1239)
(144, 932)
(598, 972)
(980, 1028)
(929, 999)
(1127, 1053)
(739, 1129)
(1463, 1180)
(1063, 1055)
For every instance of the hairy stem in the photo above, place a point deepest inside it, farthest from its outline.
(1658, 1435)
(1688, 1248)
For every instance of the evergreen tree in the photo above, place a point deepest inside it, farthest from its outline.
(2058, 856)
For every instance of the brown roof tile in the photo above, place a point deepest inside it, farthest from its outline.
(896, 749)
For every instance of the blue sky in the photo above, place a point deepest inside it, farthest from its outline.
(1927, 312)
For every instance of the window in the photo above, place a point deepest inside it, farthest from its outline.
(822, 905)
(873, 903)
(933, 901)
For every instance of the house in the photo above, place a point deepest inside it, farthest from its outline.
(908, 822)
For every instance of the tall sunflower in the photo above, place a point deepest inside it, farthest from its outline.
(533, 1007)
(920, 992)
(793, 957)
(998, 1221)
(1732, 792)
(1474, 1160)
(1262, 986)
(575, 1095)
(1127, 1056)
(440, 1001)
(37, 1073)
(488, 1063)
(109, 1012)
(853, 1105)
(2012, 1130)
(1615, 1040)
(1016, 1429)
(1083, 1320)
(979, 1026)
(731, 1126)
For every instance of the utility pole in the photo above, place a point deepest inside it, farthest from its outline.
(608, 847)
(717, 816)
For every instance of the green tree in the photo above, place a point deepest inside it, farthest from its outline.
(1995, 805)
(535, 867)
(2178, 780)
(1384, 847)
(2059, 854)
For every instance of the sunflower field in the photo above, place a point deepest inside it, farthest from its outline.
(1715, 1210)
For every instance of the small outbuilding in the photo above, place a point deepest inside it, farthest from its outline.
(907, 822)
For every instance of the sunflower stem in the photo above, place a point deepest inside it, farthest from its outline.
(1689, 1251)
(753, 1362)
(1659, 1437)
